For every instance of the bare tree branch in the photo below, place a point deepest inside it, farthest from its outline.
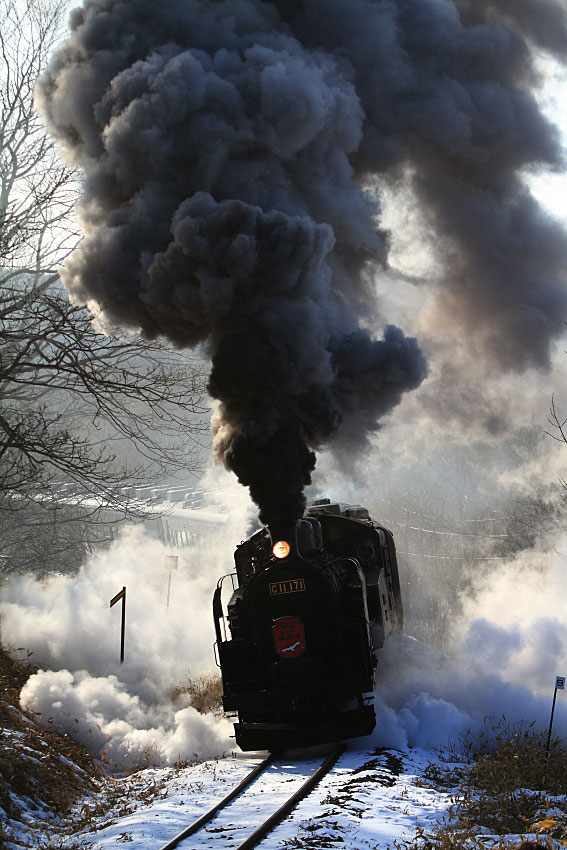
(73, 400)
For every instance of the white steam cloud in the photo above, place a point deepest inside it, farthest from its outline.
(509, 647)
(126, 709)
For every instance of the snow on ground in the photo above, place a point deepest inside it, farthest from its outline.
(368, 800)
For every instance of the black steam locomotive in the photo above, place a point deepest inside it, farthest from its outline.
(306, 617)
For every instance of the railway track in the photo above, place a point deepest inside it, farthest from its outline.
(241, 816)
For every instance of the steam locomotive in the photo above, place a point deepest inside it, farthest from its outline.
(306, 617)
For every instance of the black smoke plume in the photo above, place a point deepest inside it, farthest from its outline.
(231, 154)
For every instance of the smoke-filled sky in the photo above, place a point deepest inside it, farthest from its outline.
(236, 159)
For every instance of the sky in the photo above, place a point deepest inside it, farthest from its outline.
(239, 182)
(552, 188)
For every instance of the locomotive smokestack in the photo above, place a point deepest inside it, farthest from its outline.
(231, 157)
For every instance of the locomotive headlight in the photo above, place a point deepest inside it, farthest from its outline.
(281, 549)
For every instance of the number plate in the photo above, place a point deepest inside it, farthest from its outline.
(292, 585)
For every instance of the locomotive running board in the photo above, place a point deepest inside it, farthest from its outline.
(356, 723)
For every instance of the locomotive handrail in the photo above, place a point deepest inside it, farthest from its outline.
(218, 613)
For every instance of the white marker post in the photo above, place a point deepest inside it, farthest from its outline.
(559, 686)
(171, 562)
(113, 601)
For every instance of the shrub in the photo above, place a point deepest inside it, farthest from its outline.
(205, 692)
(510, 786)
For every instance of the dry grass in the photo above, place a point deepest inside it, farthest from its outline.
(205, 693)
(511, 786)
(40, 769)
(34, 759)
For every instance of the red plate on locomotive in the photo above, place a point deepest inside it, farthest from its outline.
(289, 637)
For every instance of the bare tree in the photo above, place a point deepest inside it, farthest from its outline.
(72, 399)
(558, 425)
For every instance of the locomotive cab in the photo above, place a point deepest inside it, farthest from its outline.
(305, 619)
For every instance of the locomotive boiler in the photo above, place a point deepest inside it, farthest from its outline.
(297, 646)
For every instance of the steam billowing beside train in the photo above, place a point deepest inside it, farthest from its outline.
(306, 617)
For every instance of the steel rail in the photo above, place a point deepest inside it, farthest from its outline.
(208, 816)
(290, 804)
